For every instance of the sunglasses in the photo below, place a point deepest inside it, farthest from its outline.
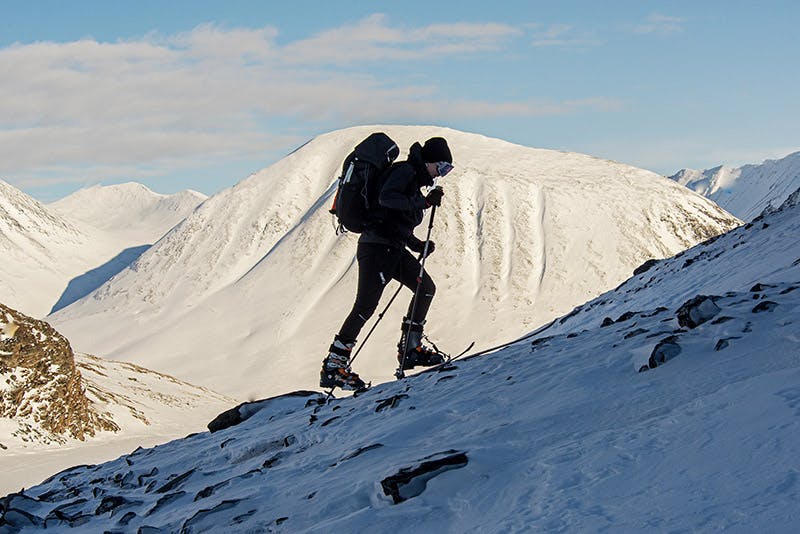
(442, 168)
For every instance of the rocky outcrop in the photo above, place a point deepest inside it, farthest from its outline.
(40, 386)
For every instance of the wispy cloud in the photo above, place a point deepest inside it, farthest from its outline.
(660, 24)
(561, 35)
(163, 100)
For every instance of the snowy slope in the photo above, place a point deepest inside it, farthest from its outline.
(244, 296)
(59, 252)
(558, 432)
(746, 191)
(41, 252)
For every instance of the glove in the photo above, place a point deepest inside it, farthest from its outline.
(418, 246)
(434, 197)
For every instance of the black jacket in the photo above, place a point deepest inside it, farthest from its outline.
(402, 202)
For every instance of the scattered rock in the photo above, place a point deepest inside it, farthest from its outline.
(410, 482)
(635, 333)
(665, 350)
(724, 343)
(697, 311)
(646, 266)
(759, 287)
(175, 482)
(282, 404)
(765, 306)
(391, 402)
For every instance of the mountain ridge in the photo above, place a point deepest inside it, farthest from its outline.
(748, 190)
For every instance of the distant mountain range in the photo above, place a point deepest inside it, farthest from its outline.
(748, 190)
(55, 254)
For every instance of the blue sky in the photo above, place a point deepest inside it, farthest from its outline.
(199, 94)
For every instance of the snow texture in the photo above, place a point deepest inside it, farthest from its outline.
(556, 432)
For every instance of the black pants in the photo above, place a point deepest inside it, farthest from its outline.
(377, 266)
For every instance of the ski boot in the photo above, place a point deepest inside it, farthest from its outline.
(336, 371)
(416, 354)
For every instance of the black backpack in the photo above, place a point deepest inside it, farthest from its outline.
(356, 202)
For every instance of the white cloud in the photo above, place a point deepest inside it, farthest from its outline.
(660, 24)
(209, 92)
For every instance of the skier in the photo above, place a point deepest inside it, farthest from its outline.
(382, 256)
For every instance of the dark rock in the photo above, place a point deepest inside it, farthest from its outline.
(410, 482)
(635, 333)
(723, 319)
(608, 321)
(646, 266)
(391, 402)
(665, 350)
(765, 306)
(283, 404)
(210, 519)
(175, 482)
(13, 520)
(127, 518)
(759, 287)
(724, 343)
(626, 316)
(331, 420)
(112, 502)
(165, 501)
(697, 311)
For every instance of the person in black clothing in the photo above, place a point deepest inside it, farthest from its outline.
(384, 254)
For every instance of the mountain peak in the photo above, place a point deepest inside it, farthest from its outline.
(748, 190)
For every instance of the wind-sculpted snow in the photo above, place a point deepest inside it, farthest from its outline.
(556, 432)
(244, 296)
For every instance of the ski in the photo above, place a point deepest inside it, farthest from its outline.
(400, 374)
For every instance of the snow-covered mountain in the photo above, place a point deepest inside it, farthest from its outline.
(129, 209)
(244, 295)
(745, 191)
(558, 431)
(58, 408)
(59, 252)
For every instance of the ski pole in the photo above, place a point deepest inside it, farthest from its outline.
(399, 373)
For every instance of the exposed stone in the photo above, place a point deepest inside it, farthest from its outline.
(43, 389)
(410, 482)
(665, 350)
(765, 306)
(697, 311)
(646, 266)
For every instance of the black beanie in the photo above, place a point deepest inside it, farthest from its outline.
(436, 150)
